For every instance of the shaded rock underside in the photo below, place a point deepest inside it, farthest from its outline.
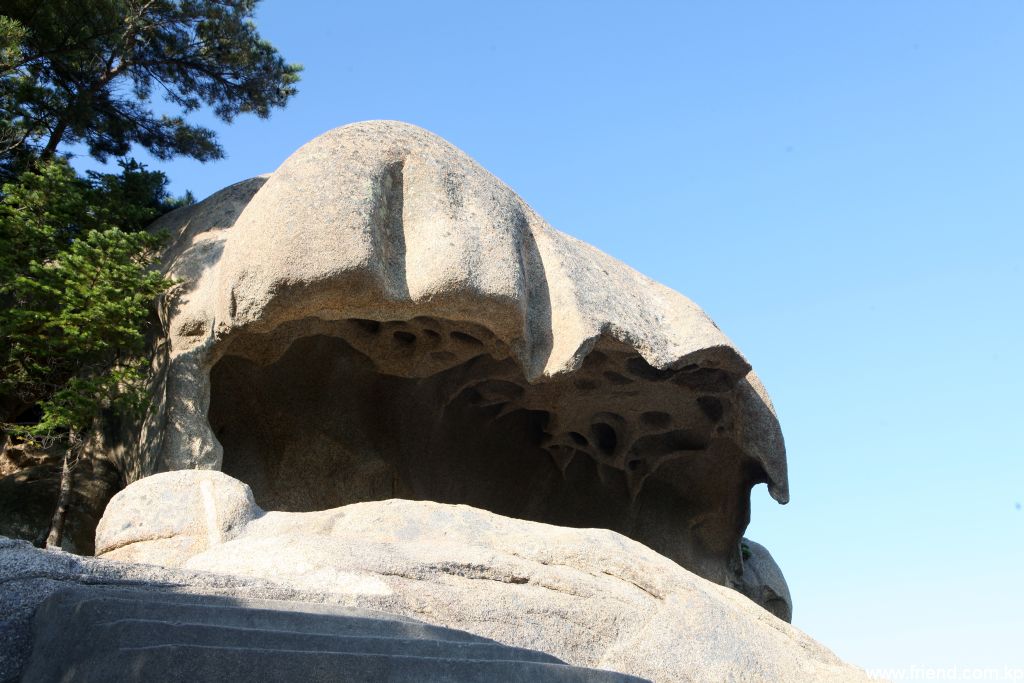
(319, 414)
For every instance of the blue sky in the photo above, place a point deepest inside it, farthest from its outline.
(840, 185)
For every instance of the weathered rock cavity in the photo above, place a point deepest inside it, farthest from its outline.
(322, 414)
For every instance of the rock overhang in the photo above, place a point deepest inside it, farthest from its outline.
(416, 291)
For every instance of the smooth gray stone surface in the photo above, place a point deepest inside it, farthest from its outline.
(87, 606)
(190, 663)
(86, 634)
(139, 633)
(155, 596)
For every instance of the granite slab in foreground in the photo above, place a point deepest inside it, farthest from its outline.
(89, 634)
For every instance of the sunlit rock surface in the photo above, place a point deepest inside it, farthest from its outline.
(590, 597)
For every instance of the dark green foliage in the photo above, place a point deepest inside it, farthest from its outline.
(76, 291)
(85, 71)
(76, 282)
(12, 131)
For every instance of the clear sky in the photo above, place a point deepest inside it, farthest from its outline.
(840, 185)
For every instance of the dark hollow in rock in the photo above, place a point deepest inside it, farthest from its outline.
(319, 414)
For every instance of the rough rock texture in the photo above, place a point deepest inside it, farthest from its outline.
(174, 515)
(381, 317)
(590, 597)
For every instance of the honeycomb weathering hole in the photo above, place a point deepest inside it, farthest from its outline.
(321, 414)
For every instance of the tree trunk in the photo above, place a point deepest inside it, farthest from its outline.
(55, 138)
(56, 534)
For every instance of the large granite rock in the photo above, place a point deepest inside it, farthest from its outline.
(381, 317)
(590, 597)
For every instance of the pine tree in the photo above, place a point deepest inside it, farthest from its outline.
(76, 291)
(85, 71)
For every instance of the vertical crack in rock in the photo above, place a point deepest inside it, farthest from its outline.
(390, 233)
(537, 300)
